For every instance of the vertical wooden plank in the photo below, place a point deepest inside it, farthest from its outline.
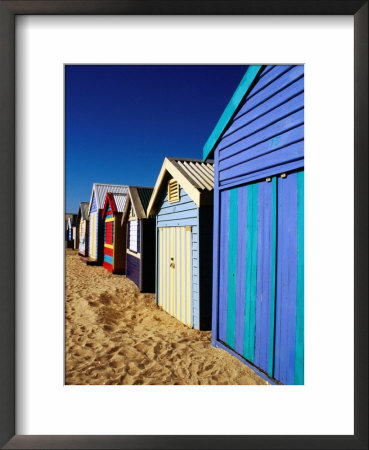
(251, 270)
(273, 257)
(172, 279)
(216, 250)
(223, 263)
(183, 274)
(175, 272)
(286, 279)
(241, 269)
(165, 283)
(167, 271)
(189, 270)
(161, 274)
(262, 312)
(178, 278)
(232, 266)
(260, 297)
(161, 266)
(159, 271)
(113, 241)
(299, 352)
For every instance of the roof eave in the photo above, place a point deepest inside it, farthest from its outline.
(230, 110)
(177, 173)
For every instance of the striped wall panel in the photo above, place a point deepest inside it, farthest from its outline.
(266, 136)
(83, 237)
(181, 214)
(174, 269)
(261, 278)
(93, 234)
(109, 230)
(133, 269)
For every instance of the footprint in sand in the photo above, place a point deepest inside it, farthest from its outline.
(113, 350)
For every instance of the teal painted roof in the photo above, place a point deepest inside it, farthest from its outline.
(230, 110)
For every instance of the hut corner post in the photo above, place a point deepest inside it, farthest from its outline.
(214, 325)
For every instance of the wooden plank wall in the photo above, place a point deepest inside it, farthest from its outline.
(259, 276)
(83, 237)
(133, 258)
(179, 214)
(266, 137)
(93, 231)
(174, 268)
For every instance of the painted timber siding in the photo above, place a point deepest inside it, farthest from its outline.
(258, 270)
(140, 266)
(266, 137)
(174, 284)
(181, 214)
(259, 261)
(178, 238)
(114, 255)
(94, 230)
(83, 237)
(133, 269)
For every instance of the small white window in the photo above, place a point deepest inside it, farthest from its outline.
(133, 235)
(173, 191)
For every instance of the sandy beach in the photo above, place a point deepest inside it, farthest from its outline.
(116, 335)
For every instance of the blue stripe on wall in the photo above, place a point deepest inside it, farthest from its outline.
(262, 315)
(251, 268)
(232, 267)
(286, 280)
(223, 261)
(241, 269)
(108, 259)
(299, 352)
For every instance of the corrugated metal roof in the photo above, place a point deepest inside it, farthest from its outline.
(140, 198)
(200, 174)
(83, 210)
(101, 190)
(194, 176)
(145, 195)
(120, 201)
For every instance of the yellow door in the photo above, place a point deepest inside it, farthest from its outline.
(93, 219)
(174, 272)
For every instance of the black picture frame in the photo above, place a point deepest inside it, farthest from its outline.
(8, 12)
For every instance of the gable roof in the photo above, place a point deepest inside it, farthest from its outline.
(100, 190)
(139, 198)
(83, 211)
(230, 110)
(195, 177)
(117, 202)
(71, 221)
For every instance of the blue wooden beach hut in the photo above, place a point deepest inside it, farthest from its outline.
(258, 271)
(96, 223)
(182, 201)
(140, 251)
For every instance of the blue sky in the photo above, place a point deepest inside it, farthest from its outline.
(121, 121)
